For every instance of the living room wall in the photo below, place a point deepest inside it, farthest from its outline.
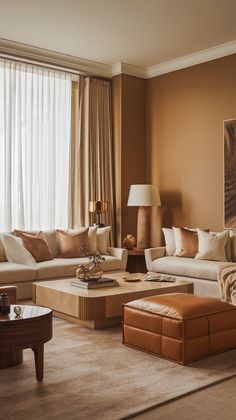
(129, 129)
(185, 113)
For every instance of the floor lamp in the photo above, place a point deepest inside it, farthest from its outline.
(144, 196)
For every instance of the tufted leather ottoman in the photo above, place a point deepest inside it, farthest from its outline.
(180, 327)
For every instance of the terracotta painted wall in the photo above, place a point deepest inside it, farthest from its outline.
(129, 126)
(185, 113)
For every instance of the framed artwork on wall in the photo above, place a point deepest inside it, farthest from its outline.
(230, 174)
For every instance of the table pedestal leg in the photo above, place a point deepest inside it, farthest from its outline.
(10, 358)
(39, 360)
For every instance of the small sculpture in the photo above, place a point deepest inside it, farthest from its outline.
(82, 273)
(93, 272)
(96, 270)
(129, 241)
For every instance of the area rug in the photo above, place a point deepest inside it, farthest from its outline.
(91, 375)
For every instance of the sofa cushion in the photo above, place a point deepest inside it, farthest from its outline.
(212, 246)
(187, 267)
(66, 267)
(92, 237)
(2, 252)
(73, 244)
(189, 243)
(37, 246)
(15, 273)
(169, 240)
(15, 250)
(52, 241)
(102, 239)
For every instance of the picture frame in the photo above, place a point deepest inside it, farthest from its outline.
(229, 134)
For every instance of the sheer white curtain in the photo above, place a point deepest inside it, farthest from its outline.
(35, 123)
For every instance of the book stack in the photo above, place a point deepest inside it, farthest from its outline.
(94, 284)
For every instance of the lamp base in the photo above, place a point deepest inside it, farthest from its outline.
(143, 227)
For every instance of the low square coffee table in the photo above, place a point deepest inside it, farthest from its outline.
(99, 308)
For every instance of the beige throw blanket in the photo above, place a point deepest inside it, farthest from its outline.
(226, 275)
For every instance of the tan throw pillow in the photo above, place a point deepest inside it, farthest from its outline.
(37, 246)
(73, 244)
(212, 246)
(18, 232)
(189, 243)
(92, 237)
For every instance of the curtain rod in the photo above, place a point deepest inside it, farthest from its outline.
(43, 64)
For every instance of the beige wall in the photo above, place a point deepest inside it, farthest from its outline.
(185, 113)
(129, 126)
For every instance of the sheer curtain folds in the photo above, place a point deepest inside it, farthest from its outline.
(35, 125)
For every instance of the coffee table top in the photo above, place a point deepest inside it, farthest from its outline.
(28, 312)
(64, 285)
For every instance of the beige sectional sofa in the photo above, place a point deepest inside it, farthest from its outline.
(18, 267)
(202, 272)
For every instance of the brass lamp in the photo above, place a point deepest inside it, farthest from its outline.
(98, 207)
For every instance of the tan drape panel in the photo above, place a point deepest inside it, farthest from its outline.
(92, 175)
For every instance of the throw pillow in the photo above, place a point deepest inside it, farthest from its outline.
(2, 253)
(211, 246)
(169, 240)
(37, 246)
(92, 237)
(189, 243)
(18, 232)
(102, 239)
(177, 240)
(15, 250)
(73, 244)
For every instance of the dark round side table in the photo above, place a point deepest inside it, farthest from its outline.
(31, 330)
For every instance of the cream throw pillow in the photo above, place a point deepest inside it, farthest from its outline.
(169, 240)
(177, 240)
(15, 250)
(102, 239)
(211, 246)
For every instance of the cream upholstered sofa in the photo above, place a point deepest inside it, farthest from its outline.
(202, 272)
(18, 267)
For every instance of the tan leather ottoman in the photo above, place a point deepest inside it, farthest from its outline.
(179, 326)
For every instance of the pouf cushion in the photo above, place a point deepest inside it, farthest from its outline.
(180, 326)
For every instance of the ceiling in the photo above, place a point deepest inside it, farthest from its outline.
(141, 33)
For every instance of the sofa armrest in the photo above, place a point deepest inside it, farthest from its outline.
(152, 254)
(121, 254)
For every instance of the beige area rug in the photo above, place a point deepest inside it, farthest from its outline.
(91, 375)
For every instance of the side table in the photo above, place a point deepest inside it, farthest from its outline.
(31, 330)
(136, 261)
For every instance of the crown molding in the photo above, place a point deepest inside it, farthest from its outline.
(78, 65)
(68, 62)
(129, 69)
(192, 59)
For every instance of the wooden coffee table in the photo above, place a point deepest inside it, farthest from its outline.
(31, 330)
(99, 308)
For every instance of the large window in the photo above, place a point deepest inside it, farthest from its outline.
(35, 122)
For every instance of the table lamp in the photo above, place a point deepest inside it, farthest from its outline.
(144, 196)
(98, 207)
